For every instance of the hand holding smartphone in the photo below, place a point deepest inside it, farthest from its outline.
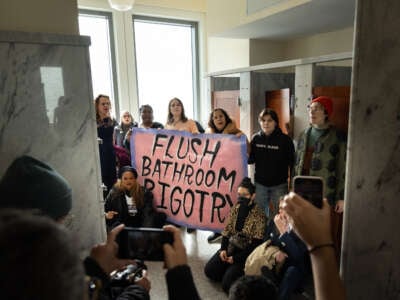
(143, 243)
(310, 188)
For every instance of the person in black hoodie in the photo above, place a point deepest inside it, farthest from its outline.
(272, 152)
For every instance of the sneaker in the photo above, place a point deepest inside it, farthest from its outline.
(215, 237)
(190, 230)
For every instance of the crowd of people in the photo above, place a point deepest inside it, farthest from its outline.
(269, 238)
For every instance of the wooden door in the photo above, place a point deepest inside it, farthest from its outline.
(228, 100)
(340, 96)
(278, 100)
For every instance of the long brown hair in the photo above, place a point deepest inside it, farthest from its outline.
(136, 192)
(170, 118)
(96, 102)
(211, 119)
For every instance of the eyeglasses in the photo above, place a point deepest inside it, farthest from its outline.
(314, 108)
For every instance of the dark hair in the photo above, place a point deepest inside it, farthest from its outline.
(247, 184)
(211, 118)
(271, 113)
(141, 108)
(252, 287)
(36, 248)
(127, 169)
(170, 118)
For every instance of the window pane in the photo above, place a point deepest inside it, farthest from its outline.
(98, 28)
(164, 62)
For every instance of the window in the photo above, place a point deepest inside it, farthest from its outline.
(166, 63)
(98, 25)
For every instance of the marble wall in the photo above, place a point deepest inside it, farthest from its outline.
(46, 109)
(371, 243)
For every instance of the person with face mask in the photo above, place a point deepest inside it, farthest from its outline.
(243, 232)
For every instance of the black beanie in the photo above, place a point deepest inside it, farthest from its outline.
(127, 169)
(31, 184)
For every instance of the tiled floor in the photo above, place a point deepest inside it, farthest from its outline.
(199, 252)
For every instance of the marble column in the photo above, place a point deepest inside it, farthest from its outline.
(47, 111)
(304, 80)
(371, 242)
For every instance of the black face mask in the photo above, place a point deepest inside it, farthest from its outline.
(244, 200)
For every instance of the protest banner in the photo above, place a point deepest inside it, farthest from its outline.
(194, 177)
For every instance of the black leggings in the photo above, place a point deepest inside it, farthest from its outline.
(223, 272)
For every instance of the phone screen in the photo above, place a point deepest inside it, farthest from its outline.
(310, 188)
(143, 243)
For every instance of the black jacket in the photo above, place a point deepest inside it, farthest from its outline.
(292, 245)
(273, 156)
(180, 284)
(108, 292)
(146, 216)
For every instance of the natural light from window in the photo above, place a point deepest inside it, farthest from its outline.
(164, 62)
(97, 27)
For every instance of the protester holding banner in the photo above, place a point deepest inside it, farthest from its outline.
(105, 130)
(243, 232)
(272, 152)
(146, 114)
(129, 203)
(177, 119)
(219, 122)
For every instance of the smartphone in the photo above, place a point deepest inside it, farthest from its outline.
(310, 188)
(143, 243)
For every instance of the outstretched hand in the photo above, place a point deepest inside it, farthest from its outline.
(105, 254)
(310, 223)
(175, 254)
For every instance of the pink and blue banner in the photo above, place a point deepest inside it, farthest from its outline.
(194, 177)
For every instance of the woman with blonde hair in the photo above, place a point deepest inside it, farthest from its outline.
(126, 124)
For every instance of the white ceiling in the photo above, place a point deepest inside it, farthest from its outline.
(315, 17)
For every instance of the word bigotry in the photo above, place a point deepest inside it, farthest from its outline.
(194, 178)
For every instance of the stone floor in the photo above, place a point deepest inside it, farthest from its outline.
(199, 252)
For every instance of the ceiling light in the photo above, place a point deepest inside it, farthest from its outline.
(121, 5)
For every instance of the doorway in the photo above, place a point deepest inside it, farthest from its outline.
(279, 100)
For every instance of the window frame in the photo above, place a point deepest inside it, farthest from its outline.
(194, 26)
(109, 17)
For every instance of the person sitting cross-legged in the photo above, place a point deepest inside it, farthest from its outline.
(243, 232)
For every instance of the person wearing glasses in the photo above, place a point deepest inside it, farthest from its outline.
(126, 124)
(321, 151)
